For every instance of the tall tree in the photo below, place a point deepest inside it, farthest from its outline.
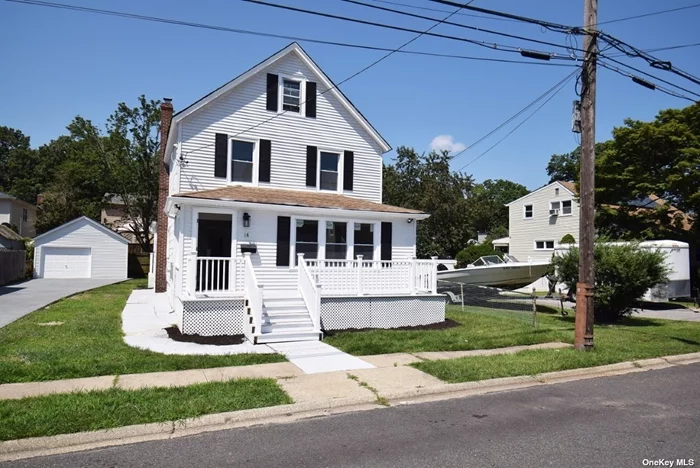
(129, 151)
(486, 205)
(426, 182)
(14, 148)
(566, 166)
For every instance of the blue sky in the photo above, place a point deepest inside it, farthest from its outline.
(59, 64)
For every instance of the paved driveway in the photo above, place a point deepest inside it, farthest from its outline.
(17, 300)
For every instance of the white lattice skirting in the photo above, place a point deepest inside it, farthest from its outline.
(212, 318)
(341, 313)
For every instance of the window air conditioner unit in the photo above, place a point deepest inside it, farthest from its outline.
(554, 212)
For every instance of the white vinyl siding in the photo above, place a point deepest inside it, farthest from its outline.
(263, 233)
(524, 233)
(290, 134)
(108, 254)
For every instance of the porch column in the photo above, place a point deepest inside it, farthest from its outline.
(412, 277)
(433, 276)
(192, 274)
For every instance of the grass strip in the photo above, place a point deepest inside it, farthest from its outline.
(634, 338)
(93, 410)
(86, 340)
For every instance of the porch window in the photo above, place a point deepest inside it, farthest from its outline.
(307, 238)
(242, 161)
(336, 240)
(291, 95)
(329, 171)
(364, 240)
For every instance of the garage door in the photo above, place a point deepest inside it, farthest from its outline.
(66, 262)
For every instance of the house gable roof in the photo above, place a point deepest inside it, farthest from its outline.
(7, 196)
(95, 224)
(323, 78)
(568, 186)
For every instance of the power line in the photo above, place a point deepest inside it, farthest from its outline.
(271, 35)
(460, 25)
(643, 82)
(683, 46)
(387, 2)
(516, 115)
(560, 85)
(618, 44)
(393, 51)
(488, 45)
(644, 15)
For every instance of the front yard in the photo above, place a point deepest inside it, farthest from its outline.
(90, 411)
(81, 336)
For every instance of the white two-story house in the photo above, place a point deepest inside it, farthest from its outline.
(18, 215)
(271, 223)
(539, 220)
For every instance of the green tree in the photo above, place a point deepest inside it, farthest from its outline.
(623, 274)
(566, 166)
(486, 210)
(474, 251)
(426, 182)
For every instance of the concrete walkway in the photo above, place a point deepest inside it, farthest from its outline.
(314, 357)
(375, 369)
(19, 299)
(145, 318)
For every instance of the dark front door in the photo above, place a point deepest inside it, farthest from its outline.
(213, 240)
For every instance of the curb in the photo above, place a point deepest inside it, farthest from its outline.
(65, 443)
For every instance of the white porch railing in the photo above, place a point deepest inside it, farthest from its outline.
(216, 275)
(254, 301)
(310, 292)
(357, 277)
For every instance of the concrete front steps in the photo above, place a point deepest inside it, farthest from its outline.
(285, 318)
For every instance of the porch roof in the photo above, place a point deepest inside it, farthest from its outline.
(307, 199)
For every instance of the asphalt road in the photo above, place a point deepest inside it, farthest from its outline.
(606, 422)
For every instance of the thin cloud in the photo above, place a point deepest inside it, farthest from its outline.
(447, 143)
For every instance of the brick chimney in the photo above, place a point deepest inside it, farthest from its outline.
(166, 116)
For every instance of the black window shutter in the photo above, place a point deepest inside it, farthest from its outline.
(311, 99)
(220, 155)
(386, 241)
(272, 92)
(283, 226)
(348, 169)
(311, 156)
(264, 160)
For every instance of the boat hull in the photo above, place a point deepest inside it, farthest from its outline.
(497, 275)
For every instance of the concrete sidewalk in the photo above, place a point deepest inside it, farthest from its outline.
(292, 377)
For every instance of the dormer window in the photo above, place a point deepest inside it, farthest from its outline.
(291, 95)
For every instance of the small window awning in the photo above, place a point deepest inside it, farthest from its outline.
(502, 242)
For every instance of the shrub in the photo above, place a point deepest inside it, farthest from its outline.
(474, 251)
(623, 273)
(567, 239)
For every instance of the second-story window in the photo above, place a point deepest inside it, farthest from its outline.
(242, 161)
(24, 215)
(328, 176)
(528, 211)
(291, 95)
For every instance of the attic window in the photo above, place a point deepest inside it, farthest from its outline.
(291, 95)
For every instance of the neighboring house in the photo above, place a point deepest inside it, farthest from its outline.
(81, 248)
(539, 220)
(10, 240)
(18, 214)
(270, 221)
(114, 217)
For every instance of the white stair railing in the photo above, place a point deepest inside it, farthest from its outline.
(310, 292)
(254, 302)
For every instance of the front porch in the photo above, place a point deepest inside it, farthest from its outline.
(277, 272)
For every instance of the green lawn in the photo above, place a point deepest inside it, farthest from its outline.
(634, 338)
(89, 411)
(480, 328)
(89, 342)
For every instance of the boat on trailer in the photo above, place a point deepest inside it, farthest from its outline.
(492, 270)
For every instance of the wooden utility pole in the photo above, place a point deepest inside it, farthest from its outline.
(584, 289)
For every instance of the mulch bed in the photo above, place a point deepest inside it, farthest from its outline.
(448, 323)
(219, 340)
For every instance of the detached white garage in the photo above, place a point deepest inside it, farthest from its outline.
(81, 248)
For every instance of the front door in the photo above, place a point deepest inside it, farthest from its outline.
(214, 244)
